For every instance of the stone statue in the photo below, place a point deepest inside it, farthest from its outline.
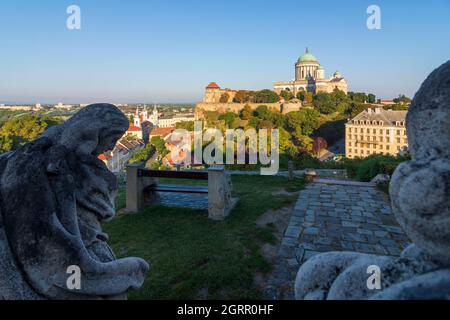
(420, 193)
(54, 195)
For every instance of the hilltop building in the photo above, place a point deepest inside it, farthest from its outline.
(310, 77)
(158, 120)
(376, 131)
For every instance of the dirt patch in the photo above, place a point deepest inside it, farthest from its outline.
(284, 193)
(277, 284)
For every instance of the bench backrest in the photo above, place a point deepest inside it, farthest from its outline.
(192, 175)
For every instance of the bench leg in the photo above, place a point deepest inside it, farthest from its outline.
(220, 202)
(134, 192)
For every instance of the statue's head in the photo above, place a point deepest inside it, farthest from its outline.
(92, 131)
(420, 188)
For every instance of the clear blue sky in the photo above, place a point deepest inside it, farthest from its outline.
(168, 51)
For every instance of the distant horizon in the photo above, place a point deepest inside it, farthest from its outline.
(168, 52)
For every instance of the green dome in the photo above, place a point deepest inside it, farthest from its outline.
(307, 57)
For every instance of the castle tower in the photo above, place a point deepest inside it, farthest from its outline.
(212, 93)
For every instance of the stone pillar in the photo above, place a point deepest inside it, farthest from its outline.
(220, 202)
(134, 194)
(135, 186)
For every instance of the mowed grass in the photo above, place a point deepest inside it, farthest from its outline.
(193, 257)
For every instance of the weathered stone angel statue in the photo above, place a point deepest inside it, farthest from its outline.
(54, 195)
(420, 193)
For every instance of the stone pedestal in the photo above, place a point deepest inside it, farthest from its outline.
(220, 202)
(136, 198)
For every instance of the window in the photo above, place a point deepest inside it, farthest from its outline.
(368, 131)
(398, 140)
(388, 140)
(381, 131)
(398, 132)
(374, 131)
(350, 130)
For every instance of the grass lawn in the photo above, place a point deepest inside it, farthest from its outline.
(193, 257)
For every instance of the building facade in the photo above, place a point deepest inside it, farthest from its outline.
(310, 77)
(376, 131)
(157, 120)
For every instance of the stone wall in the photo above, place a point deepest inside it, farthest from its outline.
(236, 107)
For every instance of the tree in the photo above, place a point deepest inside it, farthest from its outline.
(254, 122)
(340, 100)
(246, 113)
(302, 122)
(186, 125)
(372, 98)
(17, 132)
(358, 97)
(261, 112)
(224, 98)
(266, 96)
(306, 97)
(287, 95)
(402, 99)
(143, 155)
(265, 124)
(242, 96)
(160, 146)
(324, 103)
(319, 145)
(228, 117)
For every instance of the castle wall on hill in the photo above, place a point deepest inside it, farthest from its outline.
(237, 107)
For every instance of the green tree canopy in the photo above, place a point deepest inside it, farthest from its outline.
(324, 103)
(265, 96)
(17, 132)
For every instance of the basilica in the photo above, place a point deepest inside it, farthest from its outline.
(310, 76)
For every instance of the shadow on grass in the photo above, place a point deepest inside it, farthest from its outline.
(193, 257)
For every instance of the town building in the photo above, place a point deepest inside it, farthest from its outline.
(164, 133)
(376, 131)
(160, 121)
(310, 77)
(117, 159)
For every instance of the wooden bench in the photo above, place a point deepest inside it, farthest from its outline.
(188, 175)
(143, 188)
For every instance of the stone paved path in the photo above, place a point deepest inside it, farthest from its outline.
(329, 217)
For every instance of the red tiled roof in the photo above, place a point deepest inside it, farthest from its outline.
(104, 157)
(133, 128)
(163, 132)
(213, 85)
